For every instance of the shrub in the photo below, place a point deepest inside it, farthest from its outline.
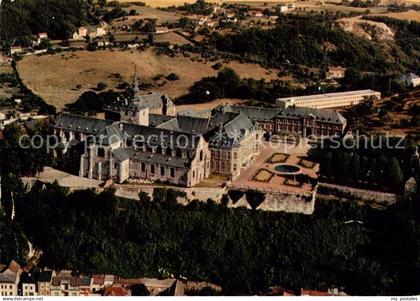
(217, 66)
(172, 77)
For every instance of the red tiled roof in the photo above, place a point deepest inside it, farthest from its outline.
(14, 267)
(116, 291)
(98, 279)
(313, 293)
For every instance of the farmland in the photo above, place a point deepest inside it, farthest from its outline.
(62, 78)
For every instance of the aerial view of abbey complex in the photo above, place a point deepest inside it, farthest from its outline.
(209, 148)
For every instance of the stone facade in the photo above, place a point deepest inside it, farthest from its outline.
(231, 161)
(328, 100)
(301, 121)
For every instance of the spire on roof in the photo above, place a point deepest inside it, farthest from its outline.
(135, 85)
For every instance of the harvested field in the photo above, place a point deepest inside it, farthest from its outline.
(146, 12)
(62, 78)
(172, 38)
(410, 15)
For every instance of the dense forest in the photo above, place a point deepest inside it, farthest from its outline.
(58, 18)
(245, 251)
(12, 241)
(368, 162)
(25, 160)
(229, 84)
(315, 40)
(407, 38)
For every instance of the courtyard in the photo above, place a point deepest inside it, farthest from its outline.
(280, 168)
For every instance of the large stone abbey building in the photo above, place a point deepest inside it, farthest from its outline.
(142, 137)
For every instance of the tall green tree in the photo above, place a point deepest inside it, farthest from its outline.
(394, 175)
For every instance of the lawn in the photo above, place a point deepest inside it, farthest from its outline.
(306, 164)
(263, 175)
(290, 182)
(278, 158)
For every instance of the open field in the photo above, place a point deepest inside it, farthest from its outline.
(209, 105)
(172, 38)
(410, 15)
(55, 77)
(169, 37)
(165, 3)
(146, 12)
(6, 69)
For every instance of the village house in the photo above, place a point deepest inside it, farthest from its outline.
(64, 284)
(411, 80)
(161, 29)
(43, 280)
(156, 287)
(100, 32)
(336, 72)
(283, 8)
(80, 34)
(41, 36)
(9, 279)
(15, 50)
(27, 285)
(117, 291)
(255, 13)
(99, 282)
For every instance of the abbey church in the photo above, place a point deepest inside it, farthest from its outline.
(143, 137)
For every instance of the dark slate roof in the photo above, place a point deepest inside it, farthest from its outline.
(171, 125)
(119, 105)
(198, 125)
(82, 124)
(157, 119)
(27, 278)
(220, 117)
(123, 154)
(85, 281)
(188, 112)
(238, 125)
(194, 113)
(232, 133)
(267, 114)
(160, 137)
(319, 114)
(109, 135)
(160, 159)
(255, 113)
(152, 101)
(45, 276)
(193, 124)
